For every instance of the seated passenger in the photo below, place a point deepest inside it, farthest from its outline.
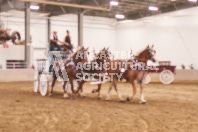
(54, 43)
(67, 41)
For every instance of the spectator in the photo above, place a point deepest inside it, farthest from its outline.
(183, 66)
(191, 66)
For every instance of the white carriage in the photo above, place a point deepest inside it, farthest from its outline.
(43, 78)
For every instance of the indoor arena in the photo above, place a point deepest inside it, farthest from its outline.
(98, 65)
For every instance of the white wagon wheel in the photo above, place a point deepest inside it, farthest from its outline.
(166, 77)
(36, 82)
(147, 79)
(43, 84)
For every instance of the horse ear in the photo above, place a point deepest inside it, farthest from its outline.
(107, 48)
(152, 46)
(147, 47)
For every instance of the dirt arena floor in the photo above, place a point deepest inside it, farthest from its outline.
(170, 108)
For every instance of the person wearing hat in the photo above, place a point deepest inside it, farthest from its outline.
(53, 47)
(54, 42)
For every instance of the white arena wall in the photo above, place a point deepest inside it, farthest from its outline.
(12, 53)
(174, 35)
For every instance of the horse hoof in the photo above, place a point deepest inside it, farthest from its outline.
(107, 99)
(65, 96)
(81, 95)
(143, 103)
(100, 97)
(50, 94)
(94, 91)
(73, 98)
(122, 101)
(128, 99)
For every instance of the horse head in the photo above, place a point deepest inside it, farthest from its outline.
(80, 56)
(147, 54)
(103, 55)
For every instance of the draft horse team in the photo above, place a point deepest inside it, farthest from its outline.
(102, 68)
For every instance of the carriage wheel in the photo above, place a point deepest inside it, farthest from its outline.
(43, 84)
(147, 79)
(15, 37)
(68, 86)
(36, 82)
(166, 77)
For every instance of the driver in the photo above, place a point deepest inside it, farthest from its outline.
(53, 47)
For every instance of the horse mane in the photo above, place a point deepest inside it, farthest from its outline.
(79, 49)
(99, 53)
(142, 51)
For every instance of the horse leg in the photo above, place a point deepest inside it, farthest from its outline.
(115, 81)
(142, 100)
(65, 91)
(80, 89)
(108, 98)
(53, 83)
(108, 94)
(99, 88)
(96, 90)
(72, 87)
(134, 91)
(79, 84)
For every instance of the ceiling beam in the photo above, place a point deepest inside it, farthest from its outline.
(62, 8)
(10, 4)
(96, 2)
(171, 7)
(67, 5)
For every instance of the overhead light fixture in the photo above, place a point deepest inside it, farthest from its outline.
(34, 7)
(153, 8)
(118, 16)
(192, 0)
(114, 3)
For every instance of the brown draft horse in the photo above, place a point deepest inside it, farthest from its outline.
(70, 70)
(131, 75)
(100, 59)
